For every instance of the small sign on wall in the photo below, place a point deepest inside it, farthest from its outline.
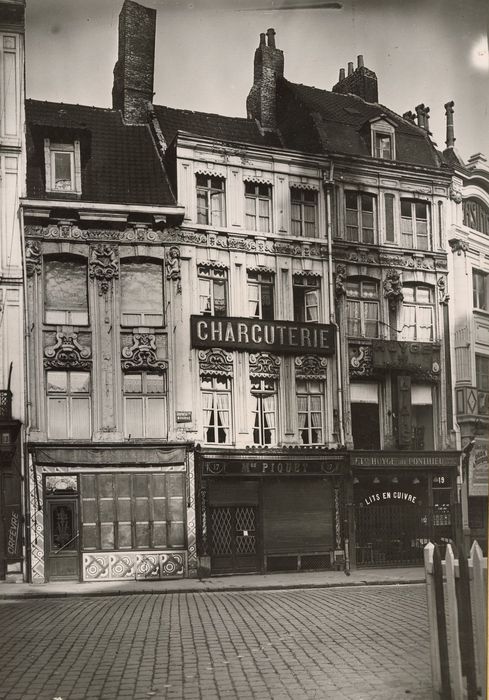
(184, 416)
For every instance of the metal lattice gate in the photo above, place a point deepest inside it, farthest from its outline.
(233, 539)
(395, 534)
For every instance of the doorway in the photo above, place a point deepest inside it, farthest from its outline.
(62, 539)
(234, 539)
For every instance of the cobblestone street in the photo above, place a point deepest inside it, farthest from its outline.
(368, 642)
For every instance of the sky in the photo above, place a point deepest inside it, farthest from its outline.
(423, 51)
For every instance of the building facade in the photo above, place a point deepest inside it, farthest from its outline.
(12, 175)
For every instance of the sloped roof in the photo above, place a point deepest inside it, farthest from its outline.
(120, 163)
(215, 126)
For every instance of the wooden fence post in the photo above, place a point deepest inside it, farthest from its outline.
(452, 627)
(466, 630)
(479, 590)
(441, 624)
(433, 629)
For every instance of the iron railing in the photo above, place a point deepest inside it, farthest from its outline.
(5, 404)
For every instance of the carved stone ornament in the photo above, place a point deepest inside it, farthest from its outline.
(393, 288)
(103, 266)
(32, 258)
(311, 367)
(458, 246)
(141, 355)
(361, 361)
(340, 279)
(263, 365)
(67, 353)
(173, 269)
(455, 194)
(215, 363)
(443, 296)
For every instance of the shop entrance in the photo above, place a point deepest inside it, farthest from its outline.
(62, 539)
(233, 538)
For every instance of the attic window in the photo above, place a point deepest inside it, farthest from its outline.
(383, 146)
(63, 168)
(383, 140)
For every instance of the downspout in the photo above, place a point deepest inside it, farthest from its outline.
(328, 186)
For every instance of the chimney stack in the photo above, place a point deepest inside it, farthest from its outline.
(132, 91)
(410, 116)
(261, 103)
(420, 113)
(450, 128)
(361, 82)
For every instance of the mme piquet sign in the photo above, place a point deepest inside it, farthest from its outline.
(253, 335)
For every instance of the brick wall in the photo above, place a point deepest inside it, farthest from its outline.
(362, 82)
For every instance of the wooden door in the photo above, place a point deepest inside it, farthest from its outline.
(62, 540)
(234, 539)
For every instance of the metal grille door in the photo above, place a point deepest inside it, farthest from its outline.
(233, 539)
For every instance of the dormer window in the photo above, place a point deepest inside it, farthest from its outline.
(383, 135)
(63, 168)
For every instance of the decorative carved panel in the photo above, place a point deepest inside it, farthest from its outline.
(361, 361)
(142, 354)
(458, 246)
(33, 258)
(263, 365)
(311, 367)
(173, 267)
(443, 296)
(67, 353)
(215, 363)
(103, 266)
(340, 279)
(124, 566)
(393, 288)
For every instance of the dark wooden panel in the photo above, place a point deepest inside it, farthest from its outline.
(298, 516)
(233, 492)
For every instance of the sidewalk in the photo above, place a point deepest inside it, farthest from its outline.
(249, 582)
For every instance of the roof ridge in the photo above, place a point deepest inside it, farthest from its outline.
(207, 114)
(32, 100)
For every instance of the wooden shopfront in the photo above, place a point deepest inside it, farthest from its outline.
(403, 500)
(270, 511)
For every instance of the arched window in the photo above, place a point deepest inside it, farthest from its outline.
(141, 292)
(65, 291)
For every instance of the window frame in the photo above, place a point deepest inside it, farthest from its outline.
(303, 205)
(209, 191)
(66, 315)
(213, 276)
(414, 235)
(144, 316)
(478, 293)
(145, 397)
(214, 409)
(308, 285)
(50, 151)
(381, 128)
(417, 306)
(259, 283)
(257, 198)
(260, 411)
(359, 225)
(362, 300)
(309, 427)
(69, 398)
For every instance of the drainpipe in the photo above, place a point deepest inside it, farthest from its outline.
(328, 186)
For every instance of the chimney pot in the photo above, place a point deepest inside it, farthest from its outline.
(342, 74)
(450, 142)
(262, 39)
(350, 67)
(360, 61)
(271, 38)
(420, 115)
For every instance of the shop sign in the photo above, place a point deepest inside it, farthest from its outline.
(396, 354)
(255, 335)
(390, 497)
(13, 534)
(271, 468)
(478, 469)
(184, 416)
(400, 460)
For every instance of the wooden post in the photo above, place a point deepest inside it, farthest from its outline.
(452, 628)
(479, 591)
(441, 624)
(432, 620)
(465, 625)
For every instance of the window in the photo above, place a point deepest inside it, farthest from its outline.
(383, 146)
(389, 217)
(360, 217)
(132, 511)
(362, 308)
(68, 396)
(260, 295)
(418, 314)
(306, 291)
(258, 204)
(264, 394)
(482, 383)
(216, 403)
(212, 291)
(142, 293)
(65, 292)
(63, 169)
(211, 203)
(422, 417)
(145, 405)
(365, 424)
(480, 289)
(310, 406)
(414, 224)
(304, 212)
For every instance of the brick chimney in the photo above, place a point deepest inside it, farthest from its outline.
(361, 82)
(261, 103)
(133, 73)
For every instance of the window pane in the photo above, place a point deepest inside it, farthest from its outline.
(57, 381)
(80, 382)
(421, 211)
(80, 417)
(219, 297)
(351, 200)
(62, 170)
(57, 417)
(155, 417)
(133, 383)
(367, 203)
(142, 287)
(155, 384)
(65, 285)
(423, 295)
(264, 190)
(389, 216)
(249, 187)
(406, 208)
(134, 417)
